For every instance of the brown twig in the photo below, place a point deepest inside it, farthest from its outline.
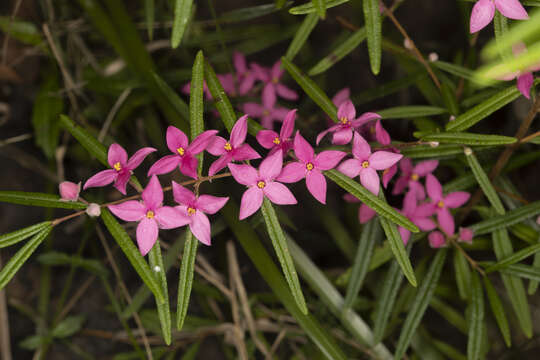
(6, 34)
(469, 259)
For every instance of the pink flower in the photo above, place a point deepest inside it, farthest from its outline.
(232, 150)
(310, 166)
(186, 89)
(484, 11)
(194, 208)
(343, 131)
(245, 75)
(69, 191)
(184, 153)
(465, 235)
(271, 79)
(150, 214)
(261, 183)
(418, 214)
(122, 168)
(341, 96)
(525, 78)
(365, 163)
(410, 176)
(267, 112)
(227, 82)
(436, 239)
(269, 139)
(443, 203)
(365, 213)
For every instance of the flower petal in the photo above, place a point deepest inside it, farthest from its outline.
(147, 233)
(279, 194)
(365, 118)
(436, 239)
(400, 185)
(200, 227)
(456, 199)
(152, 195)
(182, 195)
(381, 160)
(285, 92)
(302, 148)
(210, 204)
(512, 9)
(269, 96)
(239, 61)
(350, 167)
(466, 235)
(201, 142)
(102, 178)
(164, 165)
(116, 154)
(239, 132)
(176, 139)
(266, 138)
(409, 204)
(425, 167)
(276, 70)
(381, 134)
(245, 152)
(251, 201)
(170, 218)
(481, 15)
(365, 213)
(370, 180)
(405, 165)
(137, 158)
(122, 180)
(388, 174)
(342, 137)
(524, 84)
(316, 184)
(217, 146)
(246, 84)
(188, 166)
(288, 125)
(131, 210)
(424, 210)
(292, 172)
(329, 159)
(434, 188)
(271, 166)
(219, 164)
(425, 224)
(360, 149)
(253, 109)
(244, 174)
(446, 221)
(341, 96)
(69, 191)
(405, 234)
(346, 110)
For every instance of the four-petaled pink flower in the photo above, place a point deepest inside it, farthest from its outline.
(443, 203)
(184, 153)
(271, 79)
(261, 183)
(269, 139)
(525, 78)
(267, 112)
(310, 166)
(418, 214)
(246, 76)
(151, 215)
(234, 149)
(484, 11)
(343, 131)
(365, 163)
(410, 176)
(69, 191)
(194, 208)
(122, 168)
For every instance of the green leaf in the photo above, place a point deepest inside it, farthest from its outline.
(13, 265)
(336, 229)
(498, 311)
(320, 6)
(133, 254)
(449, 97)
(182, 12)
(175, 101)
(89, 142)
(412, 111)
(476, 320)
(484, 182)
(365, 196)
(440, 151)
(309, 8)
(454, 69)
(39, 199)
(311, 89)
(69, 326)
(514, 258)
(420, 303)
(371, 231)
(463, 274)
(149, 12)
(24, 31)
(464, 138)
(523, 271)
(500, 25)
(372, 18)
(449, 314)
(282, 251)
(163, 309)
(55, 258)
(510, 218)
(247, 13)
(185, 282)
(21, 234)
(196, 104)
(302, 35)
(484, 109)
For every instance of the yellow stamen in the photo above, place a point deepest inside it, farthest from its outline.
(261, 184)
(227, 146)
(365, 164)
(344, 120)
(275, 80)
(277, 141)
(309, 166)
(386, 171)
(181, 151)
(440, 204)
(372, 129)
(415, 177)
(117, 166)
(150, 214)
(266, 112)
(191, 211)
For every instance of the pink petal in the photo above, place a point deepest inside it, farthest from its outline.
(350, 167)
(388, 174)
(365, 213)
(147, 233)
(266, 138)
(446, 221)
(279, 194)
(405, 234)
(276, 70)
(418, 189)
(342, 137)
(251, 201)
(329, 159)
(481, 15)
(424, 210)
(365, 118)
(400, 185)
(211, 204)
(381, 160)
(239, 61)
(164, 165)
(239, 132)
(512, 9)
(269, 96)
(323, 133)
(244, 174)
(217, 146)
(138, 157)
(200, 227)
(202, 141)
(406, 166)
(286, 93)
(434, 188)
(102, 178)
(219, 164)
(425, 224)
(260, 72)
(381, 134)
(271, 166)
(524, 84)
(302, 149)
(346, 110)
(436, 239)
(131, 210)
(288, 125)
(279, 113)
(350, 198)
(69, 191)
(176, 139)
(182, 195)
(341, 96)
(121, 181)
(409, 204)
(116, 154)
(465, 235)
(246, 84)
(360, 149)
(245, 152)
(316, 184)
(169, 218)
(370, 180)
(253, 109)
(425, 167)
(456, 199)
(292, 172)
(153, 194)
(267, 122)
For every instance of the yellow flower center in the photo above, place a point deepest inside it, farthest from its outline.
(386, 171)
(277, 141)
(266, 112)
(275, 80)
(372, 129)
(150, 214)
(181, 151)
(344, 120)
(191, 211)
(415, 177)
(365, 164)
(309, 166)
(440, 204)
(117, 166)
(227, 146)
(261, 184)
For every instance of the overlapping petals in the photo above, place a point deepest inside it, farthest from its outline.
(484, 11)
(273, 141)
(418, 214)
(410, 176)
(268, 112)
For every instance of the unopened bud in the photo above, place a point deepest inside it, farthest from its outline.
(93, 210)
(157, 268)
(433, 144)
(451, 118)
(433, 57)
(408, 44)
(69, 191)
(467, 150)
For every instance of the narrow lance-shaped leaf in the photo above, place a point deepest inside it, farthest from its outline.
(500, 25)
(449, 97)
(320, 6)
(420, 303)
(282, 251)
(20, 257)
(89, 142)
(39, 199)
(498, 311)
(410, 111)
(514, 258)
(522, 271)
(196, 105)
(464, 138)
(21, 234)
(510, 218)
(149, 12)
(463, 274)
(185, 283)
(163, 309)
(476, 319)
(484, 182)
(182, 12)
(372, 17)
(302, 35)
(309, 8)
(437, 152)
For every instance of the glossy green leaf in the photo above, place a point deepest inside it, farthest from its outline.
(498, 311)
(463, 275)
(464, 138)
(89, 142)
(510, 218)
(476, 320)
(309, 8)
(311, 89)
(39, 199)
(371, 231)
(21, 234)
(412, 111)
(484, 109)
(185, 283)
(420, 303)
(282, 251)
(14, 264)
(373, 21)
(163, 309)
(133, 254)
(302, 35)
(182, 12)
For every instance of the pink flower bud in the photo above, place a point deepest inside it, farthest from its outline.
(436, 239)
(465, 235)
(93, 210)
(69, 191)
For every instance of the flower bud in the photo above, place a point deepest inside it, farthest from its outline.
(433, 57)
(408, 44)
(436, 239)
(465, 235)
(69, 191)
(433, 144)
(468, 151)
(451, 118)
(93, 210)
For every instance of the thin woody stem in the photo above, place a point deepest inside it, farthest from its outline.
(469, 259)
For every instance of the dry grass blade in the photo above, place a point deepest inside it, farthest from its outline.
(5, 349)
